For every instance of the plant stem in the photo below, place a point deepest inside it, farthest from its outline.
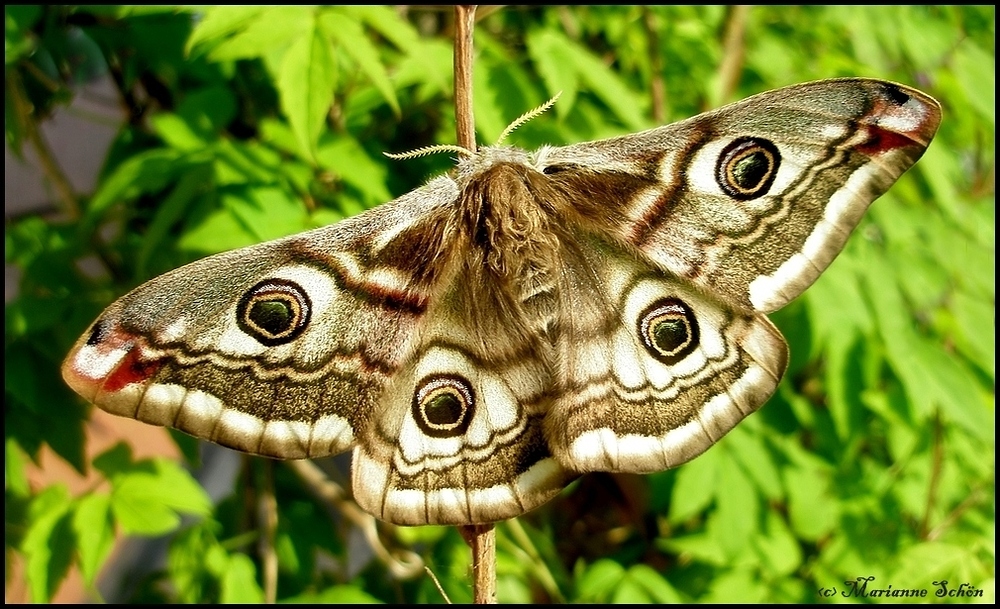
(732, 52)
(480, 537)
(465, 18)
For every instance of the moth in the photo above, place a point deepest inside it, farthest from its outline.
(485, 339)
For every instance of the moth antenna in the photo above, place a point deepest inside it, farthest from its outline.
(426, 150)
(527, 116)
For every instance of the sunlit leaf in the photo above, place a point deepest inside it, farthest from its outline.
(95, 533)
(306, 82)
(341, 27)
(239, 581)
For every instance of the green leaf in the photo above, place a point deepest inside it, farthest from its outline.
(389, 25)
(15, 472)
(777, 548)
(698, 547)
(342, 27)
(551, 58)
(656, 589)
(976, 72)
(150, 498)
(736, 586)
(239, 581)
(737, 508)
(351, 162)
(602, 81)
(746, 443)
(930, 377)
(811, 509)
(258, 33)
(600, 580)
(305, 85)
(48, 543)
(341, 594)
(177, 133)
(972, 315)
(170, 213)
(95, 533)
(217, 23)
(114, 460)
(695, 486)
(18, 41)
(145, 172)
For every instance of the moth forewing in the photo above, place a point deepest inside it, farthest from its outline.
(484, 339)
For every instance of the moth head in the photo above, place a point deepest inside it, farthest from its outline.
(747, 167)
(274, 312)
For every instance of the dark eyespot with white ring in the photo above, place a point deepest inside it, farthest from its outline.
(443, 406)
(747, 168)
(275, 311)
(669, 331)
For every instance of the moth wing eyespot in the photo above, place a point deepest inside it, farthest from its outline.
(668, 330)
(274, 312)
(747, 167)
(443, 406)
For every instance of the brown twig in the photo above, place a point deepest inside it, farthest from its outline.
(733, 47)
(656, 85)
(267, 523)
(937, 459)
(465, 127)
(480, 537)
(403, 564)
(22, 114)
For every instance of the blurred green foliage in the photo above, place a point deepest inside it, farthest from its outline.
(875, 457)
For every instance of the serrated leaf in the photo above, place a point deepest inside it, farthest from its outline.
(550, 59)
(239, 581)
(737, 507)
(48, 542)
(15, 470)
(270, 213)
(811, 509)
(219, 22)
(603, 82)
(600, 579)
(341, 594)
(170, 212)
(148, 171)
(699, 547)
(389, 25)
(694, 487)
(95, 533)
(176, 132)
(752, 456)
(350, 160)
(657, 589)
(305, 85)
(779, 551)
(268, 30)
(342, 27)
(976, 72)
(973, 316)
(931, 378)
(150, 498)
